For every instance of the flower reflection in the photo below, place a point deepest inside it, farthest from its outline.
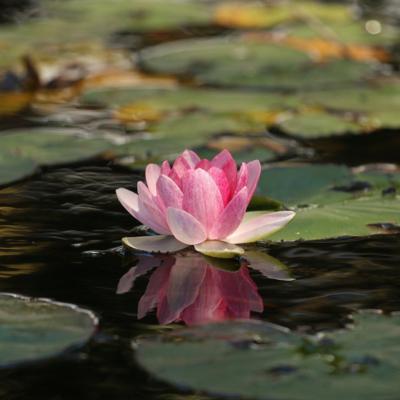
(188, 288)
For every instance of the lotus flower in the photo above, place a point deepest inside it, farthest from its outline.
(201, 203)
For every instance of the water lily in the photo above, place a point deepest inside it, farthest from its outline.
(201, 203)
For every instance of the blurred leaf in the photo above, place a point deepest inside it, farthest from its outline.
(51, 146)
(238, 62)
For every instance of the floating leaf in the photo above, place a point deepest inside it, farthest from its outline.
(51, 146)
(33, 329)
(361, 362)
(13, 168)
(347, 218)
(239, 62)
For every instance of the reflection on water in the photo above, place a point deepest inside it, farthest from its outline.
(194, 289)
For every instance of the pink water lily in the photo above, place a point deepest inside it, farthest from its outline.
(201, 203)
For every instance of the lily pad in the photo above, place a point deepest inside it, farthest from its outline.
(13, 168)
(318, 124)
(51, 146)
(34, 329)
(361, 362)
(304, 184)
(319, 184)
(237, 62)
(357, 217)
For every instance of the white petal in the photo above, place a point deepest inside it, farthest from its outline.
(258, 227)
(216, 248)
(154, 244)
(152, 173)
(185, 227)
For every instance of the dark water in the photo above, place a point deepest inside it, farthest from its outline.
(60, 238)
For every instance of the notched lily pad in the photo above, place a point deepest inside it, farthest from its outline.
(264, 361)
(34, 329)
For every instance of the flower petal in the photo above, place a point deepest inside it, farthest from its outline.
(155, 290)
(184, 283)
(150, 213)
(165, 168)
(185, 227)
(215, 248)
(222, 183)
(231, 217)
(257, 228)
(254, 172)
(201, 197)
(169, 192)
(154, 244)
(144, 265)
(243, 177)
(225, 161)
(129, 200)
(153, 172)
(269, 266)
(191, 157)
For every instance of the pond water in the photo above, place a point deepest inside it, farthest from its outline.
(81, 119)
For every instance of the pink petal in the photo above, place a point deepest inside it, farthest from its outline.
(150, 213)
(165, 168)
(225, 161)
(201, 197)
(204, 164)
(179, 169)
(186, 228)
(259, 227)
(240, 293)
(154, 244)
(129, 200)
(243, 177)
(144, 265)
(254, 171)
(231, 217)
(155, 290)
(153, 172)
(207, 307)
(184, 283)
(222, 182)
(191, 157)
(169, 192)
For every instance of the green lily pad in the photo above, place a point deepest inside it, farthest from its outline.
(320, 184)
(312, 125)
(14, 168)
(33, 329)
(304, 184)
(237, 62)
(51, 146)
(264, 361)
(357, 217)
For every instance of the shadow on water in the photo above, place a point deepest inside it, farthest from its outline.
(60, 238)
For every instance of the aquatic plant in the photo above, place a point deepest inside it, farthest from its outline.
(200, 202)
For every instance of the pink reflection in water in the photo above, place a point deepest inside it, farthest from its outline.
(189, 289)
